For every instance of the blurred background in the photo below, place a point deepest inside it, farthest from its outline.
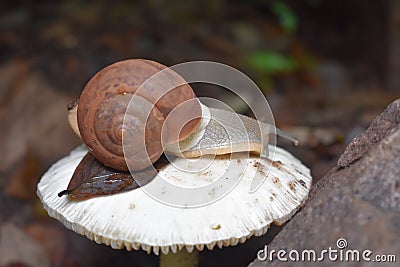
(327, 69)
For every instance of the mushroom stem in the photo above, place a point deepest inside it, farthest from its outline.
(181, 258)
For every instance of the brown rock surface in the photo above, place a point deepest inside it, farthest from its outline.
(359, 200)
(378, 129)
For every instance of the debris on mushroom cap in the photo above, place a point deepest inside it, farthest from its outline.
(135, 220)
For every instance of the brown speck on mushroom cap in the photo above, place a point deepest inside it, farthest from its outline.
(292, 186)
(152, 225)
(302, 183)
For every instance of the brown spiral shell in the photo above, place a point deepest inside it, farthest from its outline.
(103, 106)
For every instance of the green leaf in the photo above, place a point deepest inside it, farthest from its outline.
(271, 62)
(286, 16)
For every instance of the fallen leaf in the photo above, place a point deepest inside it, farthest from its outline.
(91, 178)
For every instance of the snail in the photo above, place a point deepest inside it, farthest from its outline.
(157, 121)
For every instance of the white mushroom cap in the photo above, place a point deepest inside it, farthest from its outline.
(136, 220)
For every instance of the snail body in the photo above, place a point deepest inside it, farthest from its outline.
(157, 120)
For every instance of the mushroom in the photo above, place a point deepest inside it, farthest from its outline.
(204, 197)
(139, 220)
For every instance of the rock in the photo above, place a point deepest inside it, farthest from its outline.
(378, 129)
(359, 200)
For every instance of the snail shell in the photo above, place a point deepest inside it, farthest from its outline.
(103, 108)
